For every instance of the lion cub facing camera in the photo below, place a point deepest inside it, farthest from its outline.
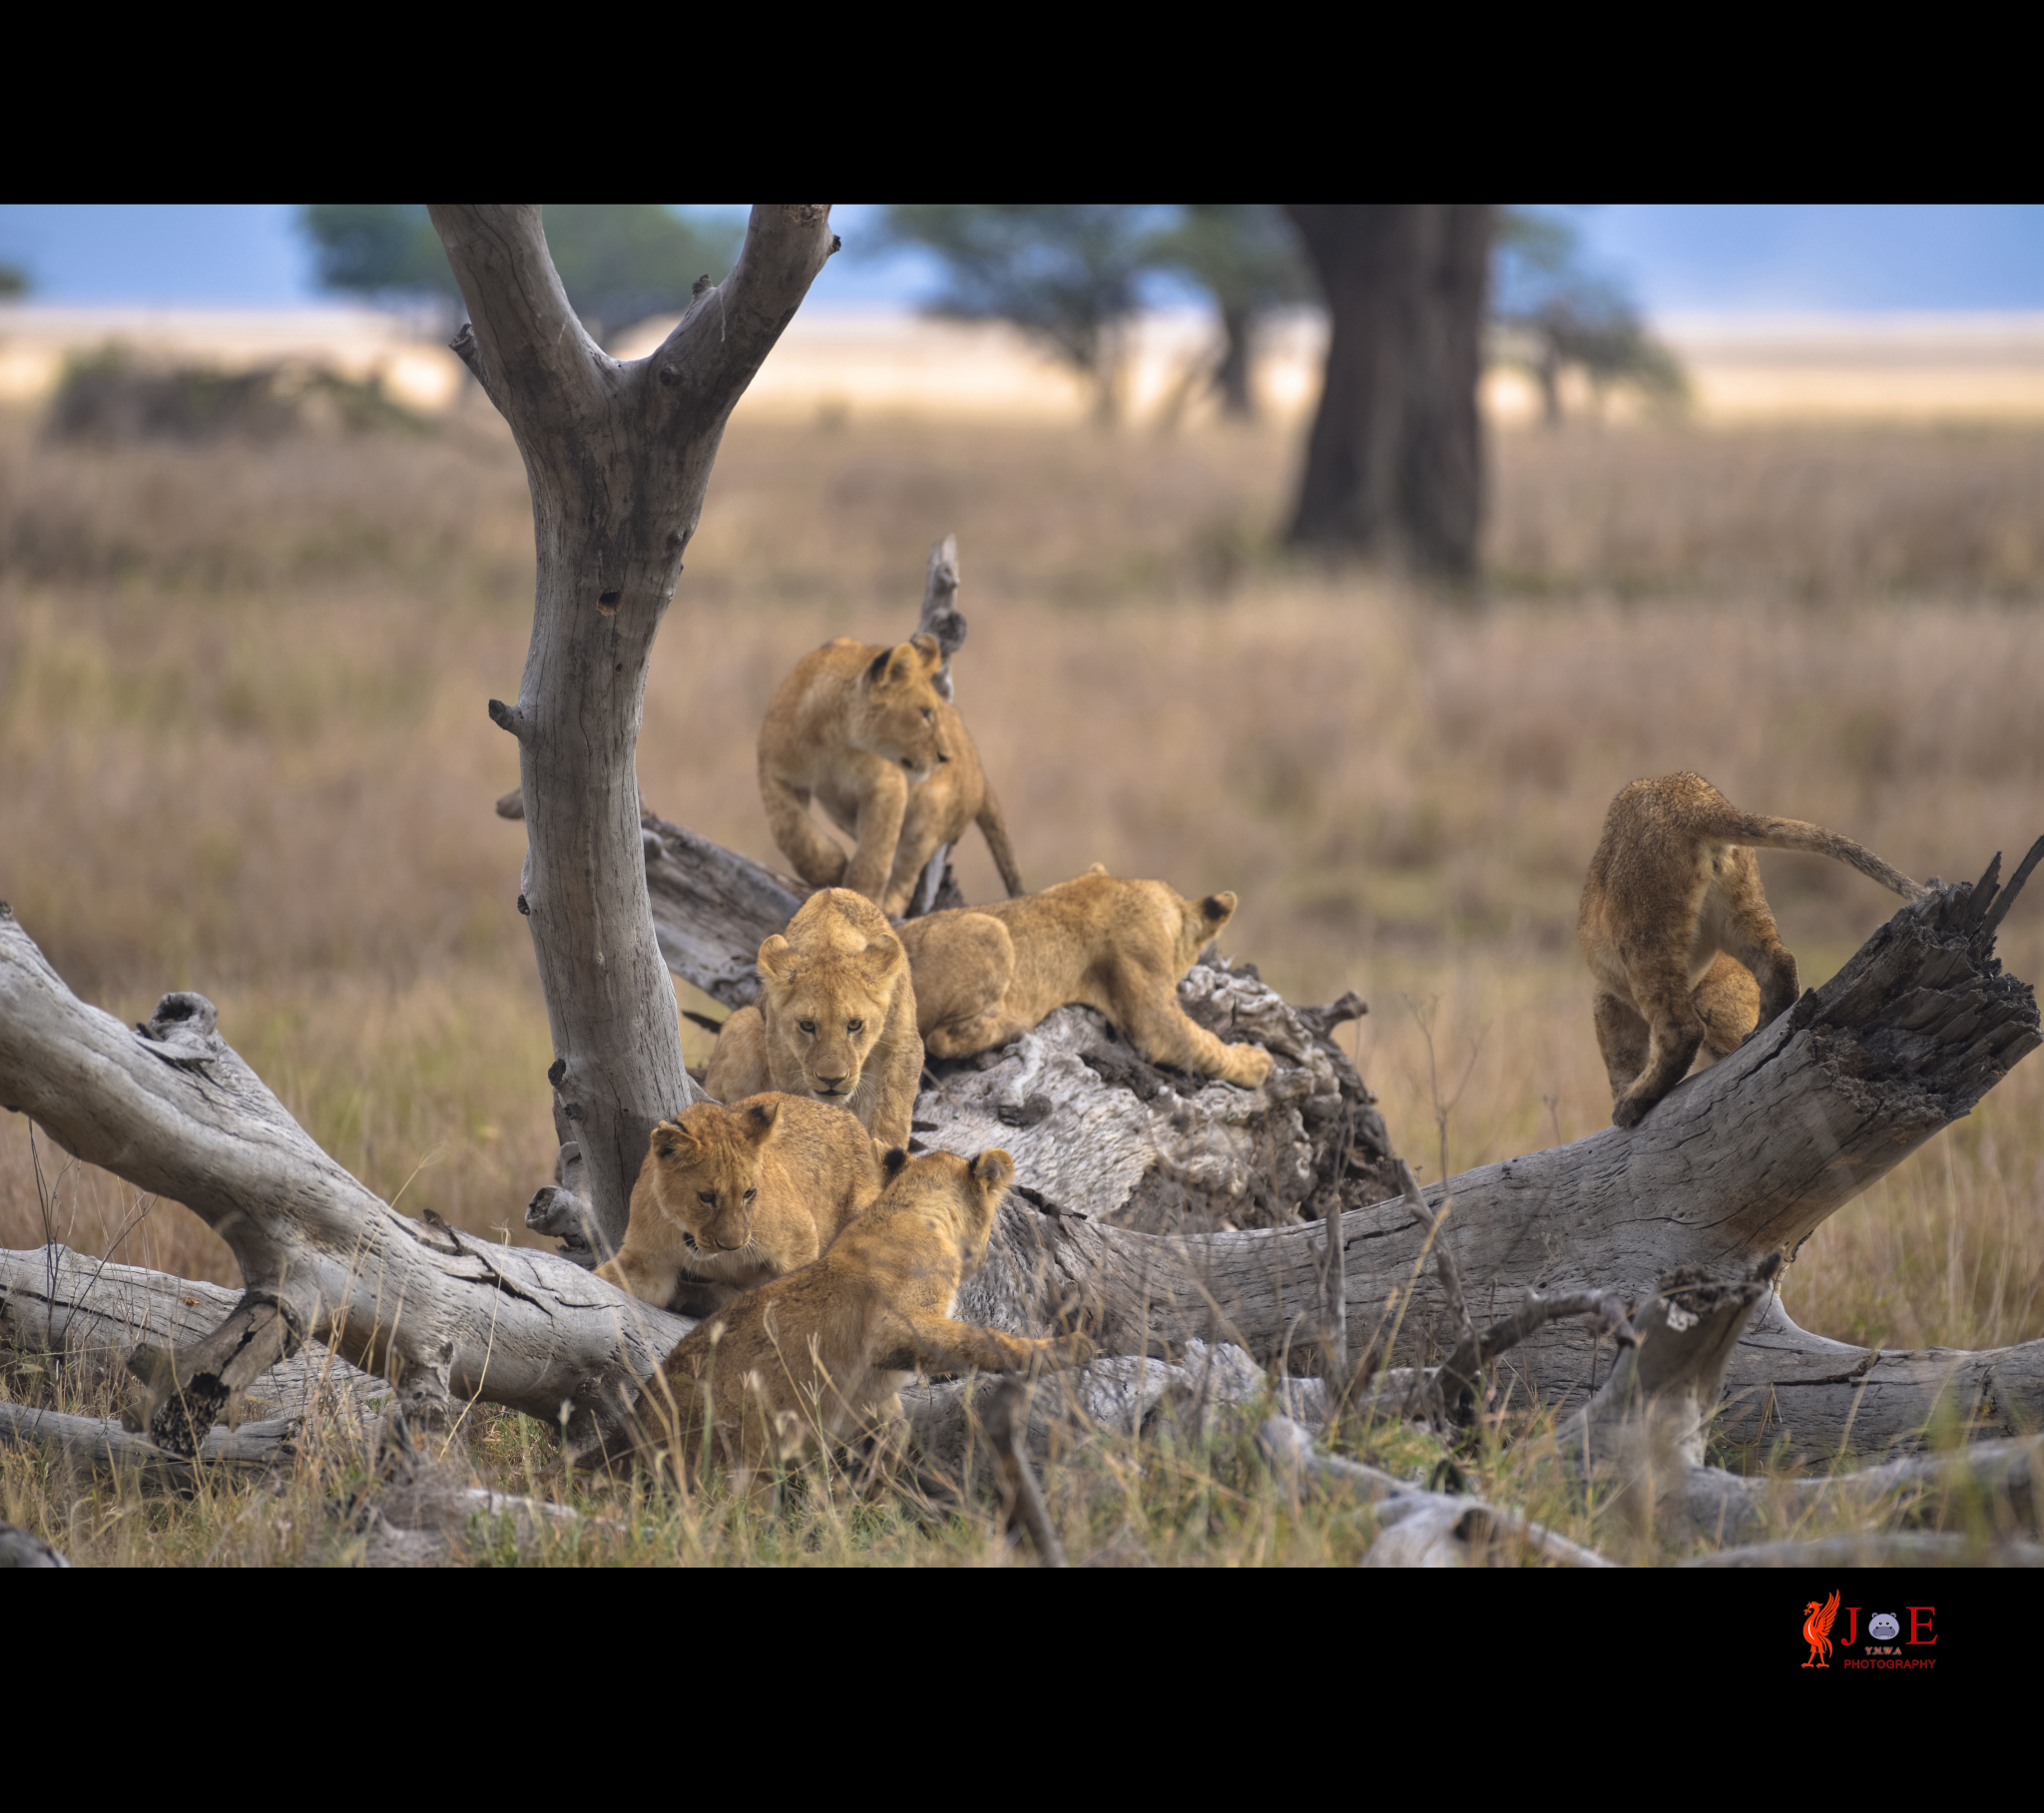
(820, 1355)
(740, 1195)
(1673, 919)
(835, 1019)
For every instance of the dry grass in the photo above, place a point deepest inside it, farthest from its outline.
(243, 749)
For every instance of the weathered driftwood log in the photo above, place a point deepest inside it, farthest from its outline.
(617, 456)
(171, 1109)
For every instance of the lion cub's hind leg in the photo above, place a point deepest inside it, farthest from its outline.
(1623, 1038)
(962, 969)
(1675, 1033)
(1747, 931)
(1728, 1000)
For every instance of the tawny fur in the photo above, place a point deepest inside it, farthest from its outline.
(835, 1019)
(740, 1195)
(855, 727)
(820, 1355)
(986, 975)
(956, 795)
(1671, 907)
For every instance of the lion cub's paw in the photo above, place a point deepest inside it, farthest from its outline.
(1249, 1065)
(1628, 1111)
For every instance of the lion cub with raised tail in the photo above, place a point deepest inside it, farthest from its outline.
(820, 1355)
(1678, 934)
(740, 1195)
(986, 975)
(836, 1020)
(855, 727)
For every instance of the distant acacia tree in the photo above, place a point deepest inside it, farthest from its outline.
(618, 261)
(1556, 313)
(14, 279)
(1247, 257)
(1395, 460)
(1069, 275)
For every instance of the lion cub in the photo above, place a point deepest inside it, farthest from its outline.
(739, 1194)
(1673, 914)
(985, 975)
(820, 1354)
(855, 727)
(835, 1019)
(955, 795)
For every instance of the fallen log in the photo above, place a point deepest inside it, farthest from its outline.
(1744, 1159)
(171, 1108)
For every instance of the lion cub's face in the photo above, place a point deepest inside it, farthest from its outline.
(828, 1007)
(898, 707)
(707, 1176)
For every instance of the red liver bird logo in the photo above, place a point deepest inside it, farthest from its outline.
(1817, 1630)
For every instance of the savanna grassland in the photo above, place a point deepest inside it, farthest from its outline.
(243, 750)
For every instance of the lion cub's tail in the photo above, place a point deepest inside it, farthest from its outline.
(1792, 834)
(995, 830)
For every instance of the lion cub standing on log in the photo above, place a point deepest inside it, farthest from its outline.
(740, 1195)
(820, 1355)
(1673, 916)
(835, 1019)
(863, 730)
(984, 975)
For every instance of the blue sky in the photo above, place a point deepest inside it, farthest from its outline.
(1730, 256)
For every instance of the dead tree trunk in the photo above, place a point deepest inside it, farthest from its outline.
(617, 456)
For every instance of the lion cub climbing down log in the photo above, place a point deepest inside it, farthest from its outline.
(740, 1195)
(1673, 918)
(985, 975)
(835, 1019)
(862, 731)
(820, 1354)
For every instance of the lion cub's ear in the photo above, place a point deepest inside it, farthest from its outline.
(1099, 868)
(776, 957)
(881, 960)
(762, 1122)
(892, 1160)
(1219, 909)
(929, 648)
(993, 1170)
(671, 1140)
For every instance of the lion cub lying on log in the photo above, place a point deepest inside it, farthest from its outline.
(1673, 918)
(863, 730)
(985, 975)
(740, 1195)
(835, 1019)
(820, 1354)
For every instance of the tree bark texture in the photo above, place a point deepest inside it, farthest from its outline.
(1394, 461)
(617, 456)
